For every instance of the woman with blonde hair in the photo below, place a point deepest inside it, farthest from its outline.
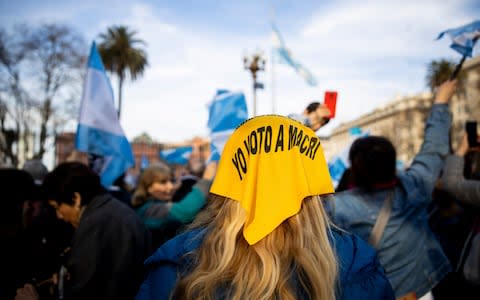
(265, 233)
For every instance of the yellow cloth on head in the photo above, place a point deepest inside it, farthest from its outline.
(270, 164)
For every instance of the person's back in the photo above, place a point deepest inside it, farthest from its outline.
(120, 191)
(360, 274)
(462, 174)
(110, 241)
(265, 235)
(460, 182)
(108, 250)
(17, 186)
(413, 259)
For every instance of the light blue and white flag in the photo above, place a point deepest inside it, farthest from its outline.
(99, 131)
(225, 113)
(463, 37)
(177, 156)
(340, 162)
(283, 55)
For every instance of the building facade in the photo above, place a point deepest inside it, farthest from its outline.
(143, 147)
(403, 120)
(65, 149)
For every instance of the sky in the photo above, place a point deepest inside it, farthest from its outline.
(370, 52)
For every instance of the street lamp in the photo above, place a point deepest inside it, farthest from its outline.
(254, 63)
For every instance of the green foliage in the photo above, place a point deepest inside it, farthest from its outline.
(121, 54)
(439, 71)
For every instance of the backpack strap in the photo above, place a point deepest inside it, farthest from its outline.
(382, 220)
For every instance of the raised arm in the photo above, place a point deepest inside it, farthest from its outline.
(429, 161)
(186, 209)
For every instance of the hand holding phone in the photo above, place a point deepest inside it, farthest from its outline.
(330, 101)
(472, 135)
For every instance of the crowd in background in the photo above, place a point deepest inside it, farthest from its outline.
(65, 236)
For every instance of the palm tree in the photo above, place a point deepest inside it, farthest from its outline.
(121, 55)
(439, 71)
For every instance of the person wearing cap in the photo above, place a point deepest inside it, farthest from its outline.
(265, 233)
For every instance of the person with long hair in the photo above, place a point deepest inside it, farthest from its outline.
(153, 201)
(265, 233)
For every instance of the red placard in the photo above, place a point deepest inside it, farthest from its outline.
(331, 102)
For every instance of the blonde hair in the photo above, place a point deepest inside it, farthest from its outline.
(225, 263)
(154, 173)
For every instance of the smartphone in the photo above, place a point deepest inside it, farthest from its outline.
(330, 101)
(471, 128)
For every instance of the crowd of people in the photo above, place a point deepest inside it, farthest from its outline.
(262, 222)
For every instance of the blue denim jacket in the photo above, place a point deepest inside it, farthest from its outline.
(360, 274)
(412, 257)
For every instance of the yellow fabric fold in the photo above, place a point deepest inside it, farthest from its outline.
(270, 164)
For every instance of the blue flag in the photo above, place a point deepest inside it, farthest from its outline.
(226, 111)
(214, 154)
(99, 131)
(463, 37)
(178, 155)
(144, 162)
(339, 163)
(283, 55)
(355, 131)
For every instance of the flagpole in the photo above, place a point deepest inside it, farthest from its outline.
(458, 68)
(273, 82)
(272, 17)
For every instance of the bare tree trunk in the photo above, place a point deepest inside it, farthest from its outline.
(45, 113)
(120, 84)
(51, 57)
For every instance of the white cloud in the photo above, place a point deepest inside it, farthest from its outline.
(158, 72)
(186, 68)
(373, 51)
(369, 51)
(142, 17)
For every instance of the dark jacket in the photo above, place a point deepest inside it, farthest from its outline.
(361, 276)
(108, 250)
(467, 191)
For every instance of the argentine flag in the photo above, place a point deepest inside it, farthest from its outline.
(179, 156)
(99, 131)
(463, 37)
(226, 111)
(283, 55)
